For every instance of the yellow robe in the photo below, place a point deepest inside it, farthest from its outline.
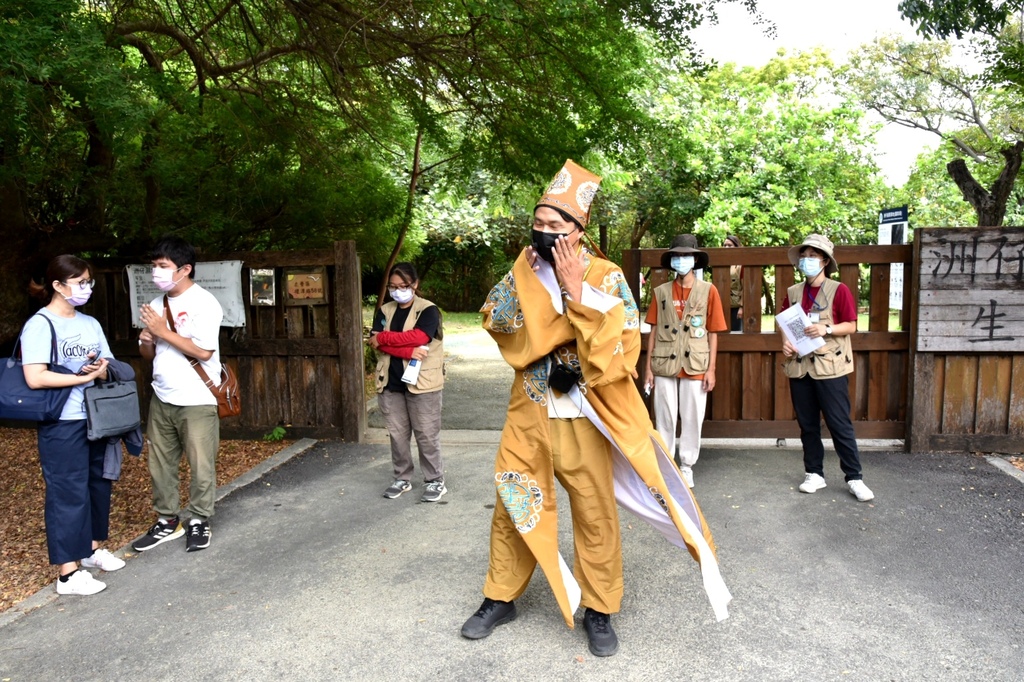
(530, 320)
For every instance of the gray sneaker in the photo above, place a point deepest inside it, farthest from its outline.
(397, 488)
(433, 491)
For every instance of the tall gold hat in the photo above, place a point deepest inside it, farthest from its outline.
(572, 191)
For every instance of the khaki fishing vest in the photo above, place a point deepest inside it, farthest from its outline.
(681, 343)
(432, 370)
(835, 358)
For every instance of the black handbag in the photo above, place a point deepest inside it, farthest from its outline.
(21, 403)
(111, 407)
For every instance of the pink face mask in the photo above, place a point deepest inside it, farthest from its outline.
(80, 293)
(164, 280)
(80, 297)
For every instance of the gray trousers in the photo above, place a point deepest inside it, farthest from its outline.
(408, 414)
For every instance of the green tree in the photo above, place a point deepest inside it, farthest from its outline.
(919, 85)
(273, 123)
(764, 153)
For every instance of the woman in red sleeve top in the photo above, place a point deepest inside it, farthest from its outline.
(407, 335)
(818, 382)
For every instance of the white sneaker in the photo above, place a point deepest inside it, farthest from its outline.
(103, 560)
(687, 473)
(812, 483)
(861, 491)
(81, 582)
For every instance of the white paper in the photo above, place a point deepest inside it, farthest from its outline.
(793, 320)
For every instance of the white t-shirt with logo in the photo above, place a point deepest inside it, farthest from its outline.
(77, 337)
(197, 315)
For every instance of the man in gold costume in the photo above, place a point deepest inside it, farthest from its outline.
(566, 321)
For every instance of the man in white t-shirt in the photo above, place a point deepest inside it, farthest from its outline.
(183, 412)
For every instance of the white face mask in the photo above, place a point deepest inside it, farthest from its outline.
(402, 296)
(810, 266)
(164, 280)
(682, 264)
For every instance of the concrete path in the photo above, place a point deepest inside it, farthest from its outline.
(312, 575)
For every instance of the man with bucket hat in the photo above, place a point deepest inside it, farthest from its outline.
(565, 320)
(818, 382)
(682, 350)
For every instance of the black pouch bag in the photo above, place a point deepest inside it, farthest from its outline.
(563, 377)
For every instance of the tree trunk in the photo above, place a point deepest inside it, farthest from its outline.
(414, 178)
(989, 205)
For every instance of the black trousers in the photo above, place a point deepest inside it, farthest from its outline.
(813, 398)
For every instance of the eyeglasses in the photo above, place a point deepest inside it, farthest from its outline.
(82, 284)
(392, 288)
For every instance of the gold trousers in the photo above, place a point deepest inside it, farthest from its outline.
(581, 458)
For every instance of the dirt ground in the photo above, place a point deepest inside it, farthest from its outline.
(24, 565)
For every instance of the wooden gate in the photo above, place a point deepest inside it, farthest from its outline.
(751, 398)
(299, 366)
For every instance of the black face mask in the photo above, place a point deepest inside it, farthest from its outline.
(544, 242)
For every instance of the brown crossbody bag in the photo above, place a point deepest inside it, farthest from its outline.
(229, 402)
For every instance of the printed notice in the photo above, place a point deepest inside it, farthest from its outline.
(223, 279)
(793, 321)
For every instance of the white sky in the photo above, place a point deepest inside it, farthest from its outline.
(837, 25)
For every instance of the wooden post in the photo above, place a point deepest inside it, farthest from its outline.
(921, 422)
(348, 296)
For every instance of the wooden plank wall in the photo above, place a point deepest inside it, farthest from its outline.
(968, 368)
(751, 398)
(294, 363)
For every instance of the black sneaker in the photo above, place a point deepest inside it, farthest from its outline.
(490, 615)
(161, 532)
(397, 488)
(198, 536)
(603, 641)
(433, 491)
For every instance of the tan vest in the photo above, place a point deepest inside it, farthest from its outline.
(432, 370)
(835, 358)
(679, 344)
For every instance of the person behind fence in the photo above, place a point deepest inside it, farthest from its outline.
(183, 411)
(682, 350)
(818, 381)
(735, 286)
(407, 335)
(565, 320)
(77, 507)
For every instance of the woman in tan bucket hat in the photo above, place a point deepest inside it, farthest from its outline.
(818, 382)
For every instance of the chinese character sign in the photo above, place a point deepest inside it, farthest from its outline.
(305, 286)
(971, 290)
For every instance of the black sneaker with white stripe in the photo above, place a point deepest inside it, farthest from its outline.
(198, 536)
(161, 532)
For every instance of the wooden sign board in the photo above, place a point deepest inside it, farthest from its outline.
(305, 286)
(971, 290)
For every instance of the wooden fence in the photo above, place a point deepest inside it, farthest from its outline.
(299, 366)
(751, 398)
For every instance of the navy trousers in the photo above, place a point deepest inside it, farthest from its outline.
(813, 398)
(77, 495)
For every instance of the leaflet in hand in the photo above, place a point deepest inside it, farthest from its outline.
(793, 321)
(412, 372)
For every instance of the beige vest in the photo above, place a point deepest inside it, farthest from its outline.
(835, 358)
(679, 344)
(432, 370)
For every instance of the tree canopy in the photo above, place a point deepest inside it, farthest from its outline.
(273, 123)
